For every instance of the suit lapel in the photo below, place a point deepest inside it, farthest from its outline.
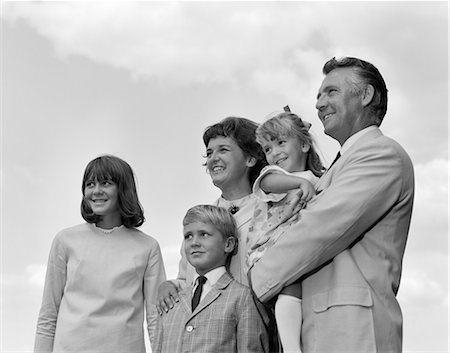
(327, 177)
(186, 301)
(214, 293)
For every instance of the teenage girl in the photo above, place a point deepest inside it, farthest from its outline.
(101, 274)
(283, 188)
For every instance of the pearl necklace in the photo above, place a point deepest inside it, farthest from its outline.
(108, 231)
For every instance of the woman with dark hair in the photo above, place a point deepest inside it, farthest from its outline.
(233, 160)
(101, 274)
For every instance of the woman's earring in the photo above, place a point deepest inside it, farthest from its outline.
(251, 162)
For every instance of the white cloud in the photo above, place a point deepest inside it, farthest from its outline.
(269, 47)
(35, 274)
(197, 42)
(171, 256)
(429, 225)
(176, 42)
(425, 283)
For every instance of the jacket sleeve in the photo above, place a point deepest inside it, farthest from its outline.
(55, 281)
(158, 337)
(366, 186)
(251, 332)
(154, 275)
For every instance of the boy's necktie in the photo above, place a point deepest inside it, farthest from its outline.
(198, 292)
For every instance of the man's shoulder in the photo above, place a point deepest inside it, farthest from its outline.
(377, 141)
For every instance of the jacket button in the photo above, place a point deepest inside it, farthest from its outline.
(189, 328)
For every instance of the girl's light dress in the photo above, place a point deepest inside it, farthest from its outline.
(273, 214)
(96, 287)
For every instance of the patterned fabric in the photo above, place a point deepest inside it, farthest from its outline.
(225, 321)
(274, 213)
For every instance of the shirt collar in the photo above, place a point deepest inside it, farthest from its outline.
(213, 275)
(355, 137)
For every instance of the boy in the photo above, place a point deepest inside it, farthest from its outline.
(224, 317)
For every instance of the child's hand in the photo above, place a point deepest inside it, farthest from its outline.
(307, 191)
(167, 297)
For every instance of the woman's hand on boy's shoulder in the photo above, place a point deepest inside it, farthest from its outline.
(167, 297)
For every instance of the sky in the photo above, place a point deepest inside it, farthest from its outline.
(142, 80)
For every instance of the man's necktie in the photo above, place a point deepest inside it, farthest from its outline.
(198, 292)
(337, 157)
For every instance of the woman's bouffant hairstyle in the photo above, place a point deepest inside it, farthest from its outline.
(242, 131)
(287, 124)
(216, 216)
(368, 74)
(113, 168)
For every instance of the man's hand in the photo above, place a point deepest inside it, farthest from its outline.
(167, 297)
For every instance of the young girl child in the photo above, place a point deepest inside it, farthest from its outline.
(293, 164)
(101, 273)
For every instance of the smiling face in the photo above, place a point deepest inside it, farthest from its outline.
(339, 105)
(226, 163)
(102, 197)
(205, 246)
(286, 152)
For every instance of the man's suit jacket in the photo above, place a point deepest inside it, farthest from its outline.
(226, 320)
(348, 247)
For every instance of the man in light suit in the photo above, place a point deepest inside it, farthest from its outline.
(348, 246)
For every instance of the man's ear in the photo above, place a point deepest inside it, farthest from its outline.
(251, 161)
(367, 95)
(230, 245)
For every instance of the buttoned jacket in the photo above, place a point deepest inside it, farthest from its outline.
(226, 321)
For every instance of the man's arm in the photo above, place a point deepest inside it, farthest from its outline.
(360, 194)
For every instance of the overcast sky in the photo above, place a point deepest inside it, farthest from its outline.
(142, 80)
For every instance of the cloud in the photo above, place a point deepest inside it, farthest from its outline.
(176, 42)
(429, 225)
(35, 274)
(425, 268)
(184, 42)
(171, 257)
(425, 281)
(268, 47)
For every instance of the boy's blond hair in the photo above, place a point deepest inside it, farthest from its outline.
(218, 217)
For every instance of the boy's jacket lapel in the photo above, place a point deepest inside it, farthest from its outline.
(212, 295)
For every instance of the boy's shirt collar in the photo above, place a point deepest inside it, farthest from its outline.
(212, 276)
